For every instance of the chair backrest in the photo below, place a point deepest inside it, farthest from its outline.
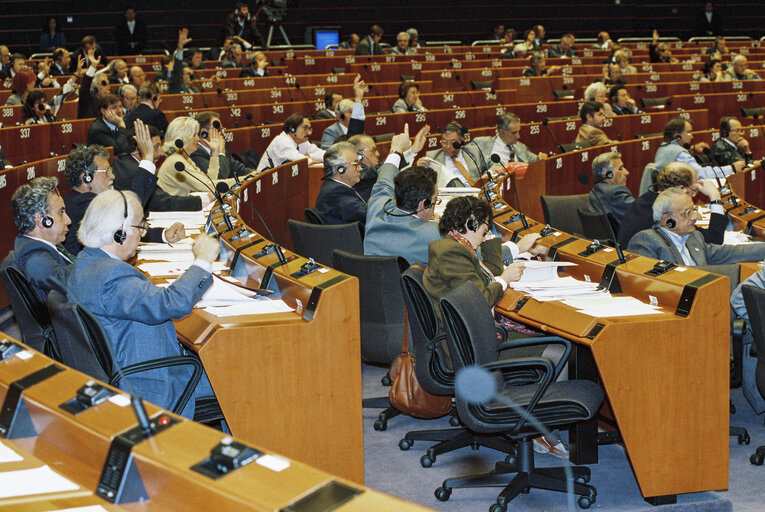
(381, 302)
(30, 312)
(594, 224)
(754, 300)
(650, 171)
(312, 217)
(318, 242)
(82, 341)
(731, 270)
(429, 361)
(573, 146)
(560, 211)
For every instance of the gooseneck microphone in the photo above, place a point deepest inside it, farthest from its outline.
(181, 167)
(546, 124)
(470, 96)
(230, 110)
(708, 152)
(585, 180)
(223, 188)
(305, 98)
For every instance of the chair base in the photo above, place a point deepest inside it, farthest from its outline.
(453, 439)
(518, 475)
(758, 457)
(381, 423)
(741, 432)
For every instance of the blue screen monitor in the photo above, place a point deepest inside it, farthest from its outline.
(325, 37)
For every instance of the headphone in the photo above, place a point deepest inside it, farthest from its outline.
(671, 223)
(47, 221)
(87, 176)
(121, 234)
(725, 127)
(678, 137)
(328, 99)
(471, 224)
(608, 175)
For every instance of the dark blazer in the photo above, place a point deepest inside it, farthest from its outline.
(725, 153)
(76, 203)
(365, 47)
(337, 203)
(250, 71)
(55, 70)
(138, 319)
(556, 52)
(639, 216)
(127, 43)
(227, 166)
(611, 199)
(87, 104)
(325, 114)
(44, 267)
(249, 32)
(99, 133)
(176, 84)
(148, 115)
(125, 169)
(80, 52)
(655, 244)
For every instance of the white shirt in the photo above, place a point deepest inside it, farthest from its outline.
(131, 26)
(711, 172)
(451, 171)
(501, 149)
(283, 149)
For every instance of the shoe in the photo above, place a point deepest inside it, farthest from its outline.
(543, 445)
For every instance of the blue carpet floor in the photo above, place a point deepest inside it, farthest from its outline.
(397, 472)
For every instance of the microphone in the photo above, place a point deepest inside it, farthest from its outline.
(757, 116)
(141, 415)
(585, 180)
(708, 152)
(470, 96)
(58, 138)
(546, 123)
(223, 188)
(181, 167)
(297, 86)
(289, 87)
(231, 111)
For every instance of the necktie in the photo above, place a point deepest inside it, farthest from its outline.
(461, 168)
(66, 254)
(512, 153)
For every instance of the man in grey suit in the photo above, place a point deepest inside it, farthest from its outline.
(349, 114)
(675, 239)
(609, 193)
(507, 142)
(461, 166)
(136, 315)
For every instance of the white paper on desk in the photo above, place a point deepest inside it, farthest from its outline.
(224, 294)
(179, 246)
(253, 307)
(40, 480)
(736, 238)
(605, 311)
(559, 283)
(8, 455)
(542, 270)
(174, 268)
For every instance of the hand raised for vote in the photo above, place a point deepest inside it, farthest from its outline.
(359, 86)
(420, 138)
(401, 142)
(707, 187)
(92, 58)
(143, 140)
(205, 248)
(183, 38)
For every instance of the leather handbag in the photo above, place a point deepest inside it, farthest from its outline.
(406, 395)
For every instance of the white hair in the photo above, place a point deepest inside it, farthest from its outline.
(184, 128)
(343, 106)
(105, 215)
(593, 89)
(665, 200)
(739, 58)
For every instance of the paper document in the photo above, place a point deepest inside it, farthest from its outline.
(92, 508)
(8, 455)
(174, 268)
(253, 307)
(40, 480)
(224, 294)
(542, 270)
(736, 238)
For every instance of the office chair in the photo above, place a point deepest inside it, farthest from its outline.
(318, 241)
(312, 217)
(754, 299)
(381, 305)
(573, 146)
(477, 85)
(528, 382)
(85, 346)
(595, 225)
(655, 102)
(30, 312)
(560, 211)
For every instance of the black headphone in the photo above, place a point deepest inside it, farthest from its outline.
(609, 174)
(87, 176)
(724, 127)
(671, 223)
(340, 169)
(427, 203)
(471, 224)
(47, 221)
(120, 235)
(678, 137)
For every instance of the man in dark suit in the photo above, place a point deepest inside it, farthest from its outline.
(350, 116)
(241, 23)
(731, 146)
(40, 217)
(90, 93)
(621, 103)
(135, 314)
(564, 48)
(118, 72)
(130, 34)
(258, 66)
(148, 108)
(88, 50)
(370, 45)
(108, 129)
(675, 239)
(331, 99)
(181, 76)
(609, 193)
(338, 202)
(709, 22)
(228, 166)
(62, 59)
(461, 166)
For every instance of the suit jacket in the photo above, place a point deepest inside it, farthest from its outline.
(475, 171)
(227, 166)
(337, 203)
(181, 183)
(100, 133)
(611, 199)
(127, 43)
(55, 70)
(87, 103)
(125, 169)
(333, 131)
(624, 111)
(593, 136)
(724, 153)
(390, 231)
(655, 244)
(114, 79)
(365, 47)
(44, 267)
(250, 71)
(325, 114)
(522, 151)
(80, 52)
(176, 84)
(639, 216)
(148, 115)
(76, 203)
(138, 319)
(555, 52)
(249, 32)
(709, 28)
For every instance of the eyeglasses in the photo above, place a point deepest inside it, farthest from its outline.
(355, 163)
(144, 226)
(107, 170)
(690, 211)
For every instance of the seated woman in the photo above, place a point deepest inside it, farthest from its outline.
(23, 83)
(408, 98)
(181, 141)
(712, 71)
(38, 110)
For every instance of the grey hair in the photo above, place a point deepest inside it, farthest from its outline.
(400, 34)
(663, 203)
(32, 198)
(343, 106)
(505, 120)
(412, 32)
(183, 128)
(125, 88)
(81, 160)
(604, 163)
(333, 158)
(593, 89)
(105, 215)
(739, 58)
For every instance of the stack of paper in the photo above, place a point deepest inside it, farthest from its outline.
(542, 270)
(608, 306)
(190, 220)
(556, 288)
(40, 480)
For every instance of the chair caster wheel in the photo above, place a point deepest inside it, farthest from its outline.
(405, 444)
(454, 421)
(744, 438)
(498, 508)
(427, 460)
(443, 493)
(510, 459)
(381, 425)
(582, 479)
(585, 502)
(385, 381)
(757, 459)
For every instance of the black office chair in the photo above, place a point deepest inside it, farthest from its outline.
(560, 211)
(655, 102)
(573, 146)
(563, 94)
(312, 217)
(381, 305)
(756, 112)
(482, 84)
(383, 137)
(595, 225)
(527, 382)
(754, 299)
(85, 346)
(30, 312)
(407, 78)
(318, 241)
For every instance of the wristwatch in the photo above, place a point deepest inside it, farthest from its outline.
(716, 201)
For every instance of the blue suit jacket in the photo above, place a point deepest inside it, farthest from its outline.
(43, 266)
(137, 316)
(337, 203)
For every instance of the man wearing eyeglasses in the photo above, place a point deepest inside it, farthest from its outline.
(731, 146)
(338, 201)
(674, 237)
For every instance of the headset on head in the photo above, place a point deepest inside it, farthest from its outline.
(671, 223)
(121, 234)
(725, 127)
(340, 169)
(47, 221)
(472, 224)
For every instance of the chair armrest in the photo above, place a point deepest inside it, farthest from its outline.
(165, 362)
(541, 340)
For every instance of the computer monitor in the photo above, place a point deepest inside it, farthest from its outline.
(324, 37)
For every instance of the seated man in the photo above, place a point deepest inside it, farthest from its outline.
(118, 72)
(621, 103)
(128, 96)
(331, 99)
(564, 48)
(291, 144)
(350, 116)
(228, 167)
(609, 193)
(40, 217)
(62, 59)
(591, 132)
(109, 129)
(538, 66)
(639, 216)
(338, 202)
(234, 57)
(148, 108)
(370, 45)
(137, 76)
(677, 135)
(402, 45)
(507, 142)
(181, 76)
(675, 239)
(92, 89)
(461, 166)
(731, 147)
(740, 70)
(660, 52)
(258, 66)
(136, 315)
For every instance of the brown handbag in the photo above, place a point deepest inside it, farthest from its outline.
(406, 395)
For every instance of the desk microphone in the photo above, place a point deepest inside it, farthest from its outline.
(181, 167)
(223, 188)
(714, 168)
(470, 96)
(546, 123)
(585, 180)
(289, 87)
(297, 86)
(230, 110)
